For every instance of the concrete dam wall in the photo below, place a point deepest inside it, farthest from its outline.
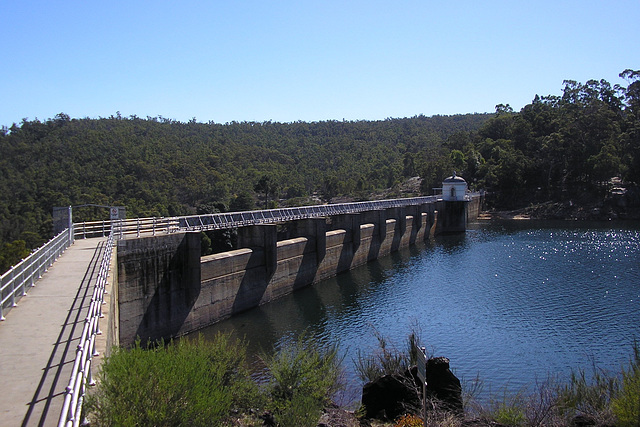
(165, 289)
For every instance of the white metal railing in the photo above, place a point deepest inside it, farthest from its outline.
(121, 227)
(15, 283)
(138, 226)
(239, 219)
(81, 375)
(218, 221)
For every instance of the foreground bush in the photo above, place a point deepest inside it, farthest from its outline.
(302, 376)
(206, 383)
(601, 399)
(387, 359)
(626, 405)
(191, 382)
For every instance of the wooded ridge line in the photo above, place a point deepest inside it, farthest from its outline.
(553, 148)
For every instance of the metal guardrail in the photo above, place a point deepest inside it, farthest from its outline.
(81, 375)
(240, 219)
(15, 283)
(122, 227)
(220, 221)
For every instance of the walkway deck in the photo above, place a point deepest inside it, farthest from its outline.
(38, 339)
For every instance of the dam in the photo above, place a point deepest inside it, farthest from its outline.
(166, 289)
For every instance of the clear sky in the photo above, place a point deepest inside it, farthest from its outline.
(303, 60)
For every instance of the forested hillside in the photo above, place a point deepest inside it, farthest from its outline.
(558, 147)
(161, 167)
(574, 143)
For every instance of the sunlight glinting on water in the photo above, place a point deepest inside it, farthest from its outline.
(510, 304)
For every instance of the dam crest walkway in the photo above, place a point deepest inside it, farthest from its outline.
(38, 338)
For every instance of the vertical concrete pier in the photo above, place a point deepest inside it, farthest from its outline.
(315, 231)
(351, 224)
(265, 239)
(158, 285)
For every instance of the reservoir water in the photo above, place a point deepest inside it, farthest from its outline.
(510, 303)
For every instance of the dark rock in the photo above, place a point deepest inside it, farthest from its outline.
(268, 419)
(583, 421)
(390, 397)
(442, 386)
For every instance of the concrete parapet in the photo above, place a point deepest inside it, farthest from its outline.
(379, 220)
(111, 298)
(474, 207)
(315, 230)
(230, 262)
(400, 216)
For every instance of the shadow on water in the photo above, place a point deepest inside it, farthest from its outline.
(451, 243)
(566, 294)
(308, 309)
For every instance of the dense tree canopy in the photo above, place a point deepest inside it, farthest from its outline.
(160, 167)
(575, 142)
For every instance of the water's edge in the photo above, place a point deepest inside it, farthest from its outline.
(511, 303)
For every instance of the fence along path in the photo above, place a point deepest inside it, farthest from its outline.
(38, 338)
(221, 221)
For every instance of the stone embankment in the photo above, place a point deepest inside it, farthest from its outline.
(621, 203)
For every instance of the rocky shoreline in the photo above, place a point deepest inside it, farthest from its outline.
(621, 203)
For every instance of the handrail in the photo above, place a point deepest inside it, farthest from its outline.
(15, 283)
(81, 374)
(221, 221)
(138, 226)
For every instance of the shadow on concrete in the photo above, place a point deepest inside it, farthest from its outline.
(377, 240)
(176, 292)
(396, 243)
(347, 254)
(307, 270)
(63, 353)
(254, 282)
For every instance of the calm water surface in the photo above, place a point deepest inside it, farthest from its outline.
(508, 302)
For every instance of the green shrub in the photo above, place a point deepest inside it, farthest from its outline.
(510, 414)
(626, 405)
(302, 376)
(387, 358)
(300, 411)
(588, 397)
(191, 382)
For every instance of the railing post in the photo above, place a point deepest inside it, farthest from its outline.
(13, 287)
(32, 282)
(22, 282)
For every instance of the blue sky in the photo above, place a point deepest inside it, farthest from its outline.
(285, 61)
